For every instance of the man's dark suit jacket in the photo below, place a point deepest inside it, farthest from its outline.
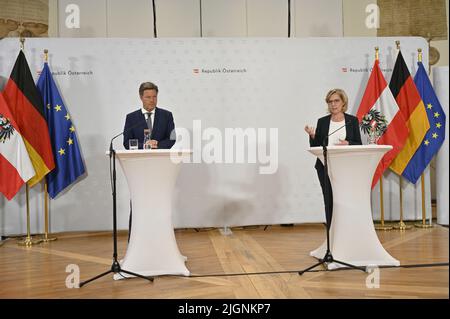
(163, 128)
(353, 136)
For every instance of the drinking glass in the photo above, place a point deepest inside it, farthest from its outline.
(133, 143)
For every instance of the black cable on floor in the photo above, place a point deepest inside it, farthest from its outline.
(297, 271)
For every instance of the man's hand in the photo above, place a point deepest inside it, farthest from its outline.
(342, 142)
(154, 143)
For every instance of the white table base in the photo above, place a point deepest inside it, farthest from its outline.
(152, 250)
(353, 239)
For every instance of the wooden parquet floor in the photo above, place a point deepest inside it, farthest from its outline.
(40, 271)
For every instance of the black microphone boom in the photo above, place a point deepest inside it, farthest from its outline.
(325, 140)
(115, 267)
(121, 133)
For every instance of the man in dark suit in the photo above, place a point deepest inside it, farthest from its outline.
(333, 125)
(159, 121)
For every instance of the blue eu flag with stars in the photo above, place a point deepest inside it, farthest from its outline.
(435, 135)
(68, 161)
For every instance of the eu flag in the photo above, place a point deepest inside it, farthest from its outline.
(68, 161)
(435, 135)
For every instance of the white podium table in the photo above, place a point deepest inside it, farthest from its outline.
(151, 176)
(353, 238)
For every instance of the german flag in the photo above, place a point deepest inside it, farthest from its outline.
(26, 106)
(411, 105)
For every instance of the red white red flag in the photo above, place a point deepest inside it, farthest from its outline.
(379, 101)
(15, 164)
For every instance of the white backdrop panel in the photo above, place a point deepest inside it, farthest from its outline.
(440, 79)
(283, 87)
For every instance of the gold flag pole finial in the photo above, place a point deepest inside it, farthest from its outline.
(22, 43)
(45, 55)
(377, 53)
(419, 54)
(397, 43)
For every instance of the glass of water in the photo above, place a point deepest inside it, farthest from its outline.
(133, 143)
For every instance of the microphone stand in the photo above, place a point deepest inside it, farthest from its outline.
(115, 267)
(328, 258)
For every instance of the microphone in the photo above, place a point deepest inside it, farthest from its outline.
(121, 133)
(325, 140)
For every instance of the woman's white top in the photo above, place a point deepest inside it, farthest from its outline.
(341, 134)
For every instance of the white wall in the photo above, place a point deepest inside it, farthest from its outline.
(132, 18)
(267, 18)
(440, 83)
(224, 18)
(177, 18)
(93, 22)
(320, 18)
(252, 18)
(53, 18)
(219, 18)
(354, 18)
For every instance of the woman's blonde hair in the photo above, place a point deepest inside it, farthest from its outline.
(341, 94)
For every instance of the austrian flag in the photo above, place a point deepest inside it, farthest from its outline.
(378, 99)
(15, 164)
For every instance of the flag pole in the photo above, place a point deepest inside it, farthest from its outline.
(28, 241)
(46, 239)
(422, 180)
(382, 226)
(429, 46)
(22, 43)
(401, 225)
(424, 224)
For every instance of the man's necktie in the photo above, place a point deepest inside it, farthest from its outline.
(149, 121)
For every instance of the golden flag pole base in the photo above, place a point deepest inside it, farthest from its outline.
(383, 227)
(423, 225)
(28, 241)
(402, 226)
(46, 239)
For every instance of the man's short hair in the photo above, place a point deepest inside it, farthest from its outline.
(147, 86)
